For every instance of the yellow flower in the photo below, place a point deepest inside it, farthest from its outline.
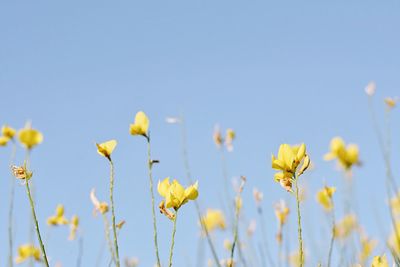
(288, 160)
(29, 138)
(4, 140)
(74, 224)
(175, 194)
(214, 219)
(393, 238)
(21, 172)
(390, 102)
(238, 203)
(380, 261)
(27, 251)
(347, 156)
(7, 131)
(58, 218)
(395, 203)
(101, 207)
(229, 137)
(281, 212)
(217, 136)
(227, 245)
(294, 259)
(367, 246)
(105, 149)
(141, 124)
(324, 197)
(345, 227)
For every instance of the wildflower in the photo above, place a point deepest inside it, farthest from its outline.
(175, 194)
(120, 224)
(252, 227)
(281, 212)
(258, 196)
(395, 203)
(227, 244)
(296, 260)
(390, 102)
(347, 156)
(173, 120)
(21, 172)
(29, 138)
(105, 149)
(289, 159)
(370, 88)
(367, 246)
(27, 251)
(4, 140)
(227, 263)
(74, 224)
(324, 197)
(229, 137)
(131, 262)
(345, 227)
(380, 261)
(217, 136)
(58, 218)
(101, 207)
(394, 238)
(8, 132)
(214, 219)
(141, 125)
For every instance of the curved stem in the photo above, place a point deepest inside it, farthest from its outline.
(299, 224)
(11, 209)
(171, 250)
(332, 237)
(113, 212)
(189, 178)
(150, 167)
(28, 191)
(235, 235)
(107, 234)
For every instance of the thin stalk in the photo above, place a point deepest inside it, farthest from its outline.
(235, 235)
(28, 191)
(31, 223)
(264, 236)
(385, 150)
(113, 212)
(150, 167)
(189, 178)
(11, 208)
(299, 223)
(333, 235)
(107, 234)
(171, 250)
(80, 252)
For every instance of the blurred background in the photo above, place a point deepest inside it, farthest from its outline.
(275, 72)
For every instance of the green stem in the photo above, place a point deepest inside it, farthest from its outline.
(11, 209)
(332, 237)
(189, 178)
(28, 191)
(264, 235)
(107, 234)
(113, 212)
(171, 250)
(235, 235)
(150, 167)
(299, 224)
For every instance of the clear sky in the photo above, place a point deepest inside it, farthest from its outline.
(275, 71)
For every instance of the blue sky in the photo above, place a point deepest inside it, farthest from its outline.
(275, 72)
